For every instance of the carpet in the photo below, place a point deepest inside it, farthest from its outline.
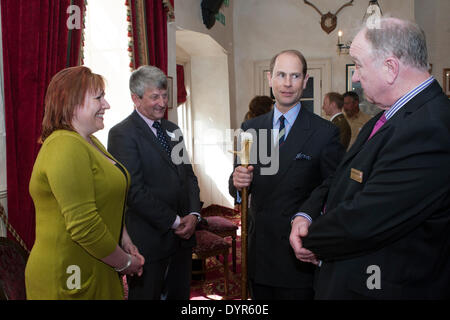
(212, 286)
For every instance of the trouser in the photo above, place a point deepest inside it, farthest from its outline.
(166, 279)
(263, 292)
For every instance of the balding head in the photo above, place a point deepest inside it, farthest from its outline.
(403, 39)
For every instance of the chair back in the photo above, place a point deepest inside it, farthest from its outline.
(218, 210)
(13, 259)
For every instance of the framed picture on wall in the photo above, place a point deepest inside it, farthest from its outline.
(446, 73)
(364, 105)
(349, 71)
(170, 92)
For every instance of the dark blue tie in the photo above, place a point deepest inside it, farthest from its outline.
(281, 132)
(161, 137)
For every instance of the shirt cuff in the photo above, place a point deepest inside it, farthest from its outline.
(302, 214)
(238, 197)
(176, 223)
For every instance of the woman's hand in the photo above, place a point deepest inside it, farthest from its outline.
(136, 266)
(137, 260)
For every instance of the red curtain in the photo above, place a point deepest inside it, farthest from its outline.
(148, 20)
(148, 32)
(181, 88)
(35, 47)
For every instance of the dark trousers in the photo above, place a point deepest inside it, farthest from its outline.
(263, 292)
(167, 279)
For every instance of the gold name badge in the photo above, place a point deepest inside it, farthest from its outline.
(356, 175)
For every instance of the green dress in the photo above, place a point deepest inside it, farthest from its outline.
(79, 197)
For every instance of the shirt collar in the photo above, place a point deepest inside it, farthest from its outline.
(290, 116)
(148, 121)
(335, 116)
(407, 97)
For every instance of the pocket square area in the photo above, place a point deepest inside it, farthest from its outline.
(302, 156)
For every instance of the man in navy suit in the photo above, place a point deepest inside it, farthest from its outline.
(163, 201)
(306, 150)
(384, 231)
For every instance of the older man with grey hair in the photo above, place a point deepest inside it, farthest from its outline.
(383, 232)
(163, 200)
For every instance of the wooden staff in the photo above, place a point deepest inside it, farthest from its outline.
(11, 230)
(244, 154)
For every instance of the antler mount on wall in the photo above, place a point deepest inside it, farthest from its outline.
(329, 20)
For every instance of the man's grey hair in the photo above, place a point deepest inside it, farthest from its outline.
(146, 77)
(403, 39)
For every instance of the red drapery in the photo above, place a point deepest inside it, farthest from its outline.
(148, 32)
(35, 47)
(181, 88)
(148, 43)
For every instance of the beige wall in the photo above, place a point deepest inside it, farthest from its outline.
(188, 16)
(265, 27)
(432, 16)
(211, 114)
(209, 57)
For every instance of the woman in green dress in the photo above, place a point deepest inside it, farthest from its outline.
(79, 192)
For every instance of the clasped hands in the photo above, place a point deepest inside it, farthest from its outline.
(187, 225)
(137, 260)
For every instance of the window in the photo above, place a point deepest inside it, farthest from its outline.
(106, 53)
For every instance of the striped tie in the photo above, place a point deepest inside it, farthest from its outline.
(282, 132)
(161, 137)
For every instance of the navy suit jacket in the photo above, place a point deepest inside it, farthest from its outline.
(310, 154)
(159, 189)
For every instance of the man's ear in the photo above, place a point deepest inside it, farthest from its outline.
(269, 78)
(305, 81)
(136, 99)
(392, 68)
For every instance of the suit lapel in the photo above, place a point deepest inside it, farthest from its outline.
(146, 132)
(363, 135)
(297, 137)
(268, 126)
(172, 143)
(165, 129)
(258, 145)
